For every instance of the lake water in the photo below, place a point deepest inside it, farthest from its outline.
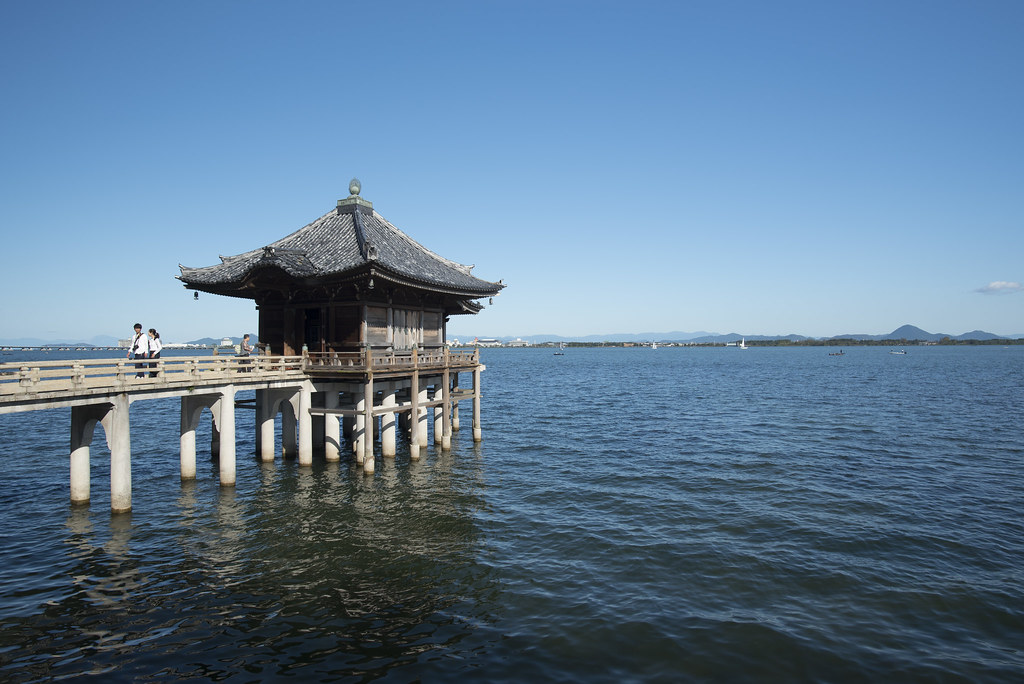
(631, 515)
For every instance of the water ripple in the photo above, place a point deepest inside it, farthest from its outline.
(700, 514)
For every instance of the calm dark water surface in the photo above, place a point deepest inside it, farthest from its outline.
(637, 515)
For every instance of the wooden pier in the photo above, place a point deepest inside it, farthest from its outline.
(314, 393)
(358, 310)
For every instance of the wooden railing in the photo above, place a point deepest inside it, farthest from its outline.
(36, 377)
(40, 377)
(377, 360)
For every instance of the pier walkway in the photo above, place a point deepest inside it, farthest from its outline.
(311, 393)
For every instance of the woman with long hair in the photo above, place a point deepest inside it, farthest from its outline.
(155, 345)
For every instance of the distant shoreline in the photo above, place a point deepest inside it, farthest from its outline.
(840, 342)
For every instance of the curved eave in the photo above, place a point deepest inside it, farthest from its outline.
(245, 284)
(487, 290)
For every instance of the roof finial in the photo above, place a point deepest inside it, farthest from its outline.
(354, 187)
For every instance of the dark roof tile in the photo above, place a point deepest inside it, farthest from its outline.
(344, 241)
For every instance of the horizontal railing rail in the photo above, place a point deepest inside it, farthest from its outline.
(35, 377)
(30, 378)
(390, 360)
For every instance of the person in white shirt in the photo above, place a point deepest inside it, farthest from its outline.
(139, 349)
(155, 345)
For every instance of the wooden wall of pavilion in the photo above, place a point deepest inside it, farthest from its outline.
(330, 326)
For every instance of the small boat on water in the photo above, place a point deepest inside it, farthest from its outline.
(901, 352)
(561, 349)
(838, 353)
(743, 343)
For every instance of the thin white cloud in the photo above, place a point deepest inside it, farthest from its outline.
(1001, 287)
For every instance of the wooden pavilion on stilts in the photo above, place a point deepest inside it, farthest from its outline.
(366, 307)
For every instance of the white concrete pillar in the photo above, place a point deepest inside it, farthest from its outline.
(332, 429)
(191, 410)
(83, 426)
(225, 422)
(305, 426)
(117, 428)
(478, 435)
(438, 422)
(388, 447)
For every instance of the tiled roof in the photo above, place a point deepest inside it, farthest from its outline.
(351, 239)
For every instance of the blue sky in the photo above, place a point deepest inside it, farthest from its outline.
(755, 167)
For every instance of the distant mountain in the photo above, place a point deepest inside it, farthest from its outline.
(660, 337)
(104, 340)
(736, 337)
(210, 341)
(980, 335)
(913, 333)
(909, 333)
(96, 341)
(614, 337)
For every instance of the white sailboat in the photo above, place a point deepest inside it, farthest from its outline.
(743, 343)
